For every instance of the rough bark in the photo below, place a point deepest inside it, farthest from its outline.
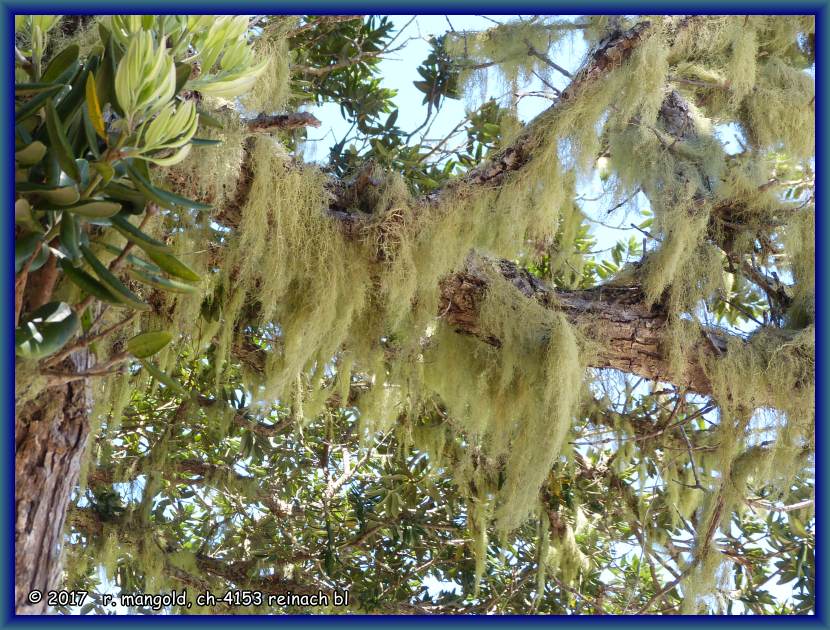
(50, 436)
(270, 122)
(629, 335)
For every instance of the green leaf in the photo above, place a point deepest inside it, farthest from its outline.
(160, 282)
(105, 170)
(62, 196)
(70, 104)
(31, 154)
(24, 247)
(147, 344)
(69, 236)
(132, 233)
(45, 330)
(115, 286)
(29, 89)
(91, 135)
(173, 266)
(132, 200)
(162, 377)
(23, 135)
(105, 80)
(390, 122)
(89, 284)
(133, 260)
(33, 105)
(183, 71)
(63, 66)
(57, 137)
(83, 172)
(162, 197)
(96, 209)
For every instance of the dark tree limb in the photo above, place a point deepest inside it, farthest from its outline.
(296, 120)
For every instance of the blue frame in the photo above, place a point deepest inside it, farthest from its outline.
(458, 7)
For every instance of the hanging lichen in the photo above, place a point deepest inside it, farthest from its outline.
(519, 398)
(272, 91)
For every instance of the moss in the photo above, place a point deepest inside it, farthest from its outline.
(479, 517)
(28, 382)
(774, 369)
(272, 90)
(565, 557)
(780, 112)
(508, 46)
(518, 398)
(305, 306)
(800, 242)
(543, 555)
(211, 173)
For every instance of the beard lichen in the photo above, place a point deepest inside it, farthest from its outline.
(519, 398)
(508, 46)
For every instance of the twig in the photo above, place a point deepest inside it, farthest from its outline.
(784, 508)
(543, 57)
(557, 92)
(624, 201)
(88, 339)
(340, 65)
(743, 311)
(666, 589)
(324, 20)
(104, 369)
(646, 232)
(697, 485)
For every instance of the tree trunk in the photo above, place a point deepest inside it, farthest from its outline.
(51, 433)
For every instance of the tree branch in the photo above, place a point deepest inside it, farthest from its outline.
(296, 120)
(631, 336)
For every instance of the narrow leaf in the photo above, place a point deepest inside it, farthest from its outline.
(147, 344)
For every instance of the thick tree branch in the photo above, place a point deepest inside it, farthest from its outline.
(296, 120)
(630, 335)
(609, 55)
